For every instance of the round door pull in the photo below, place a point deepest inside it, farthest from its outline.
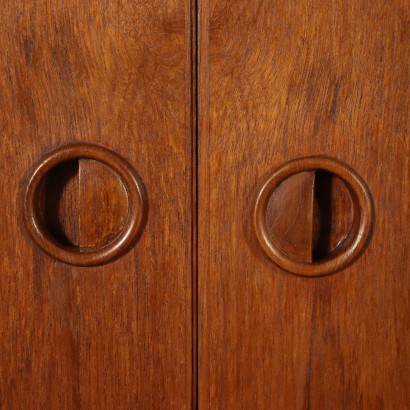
(313, 216)
(84, 205)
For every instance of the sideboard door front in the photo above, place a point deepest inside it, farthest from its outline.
(74, 332)
(304, 262)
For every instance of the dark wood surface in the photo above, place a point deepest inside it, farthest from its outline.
(280, 80)
(117, 74)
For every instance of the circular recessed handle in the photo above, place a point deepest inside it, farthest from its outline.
(135, 209)
(313, 216)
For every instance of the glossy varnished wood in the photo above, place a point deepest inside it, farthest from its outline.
(281, 80)
(116, 74)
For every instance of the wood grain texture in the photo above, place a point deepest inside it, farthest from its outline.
(103, 204)
(83, 203)
(115, 74)
(34, 216)
(290, 216)
(280, 80)
(311, 216)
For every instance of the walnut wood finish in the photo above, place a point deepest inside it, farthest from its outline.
(278, 81)
(116, 74)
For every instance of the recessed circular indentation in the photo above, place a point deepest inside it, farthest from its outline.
(113, 206)
(313, 216)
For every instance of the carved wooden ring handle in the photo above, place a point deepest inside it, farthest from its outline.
(352, 245)
(137, 206)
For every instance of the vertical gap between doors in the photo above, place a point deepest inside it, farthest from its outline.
(194, 173)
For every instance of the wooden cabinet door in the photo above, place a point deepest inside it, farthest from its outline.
(281, 80)
(141, 268)
(116, 74)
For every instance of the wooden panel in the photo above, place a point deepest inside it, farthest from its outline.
(115, 74)
(280, 80)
